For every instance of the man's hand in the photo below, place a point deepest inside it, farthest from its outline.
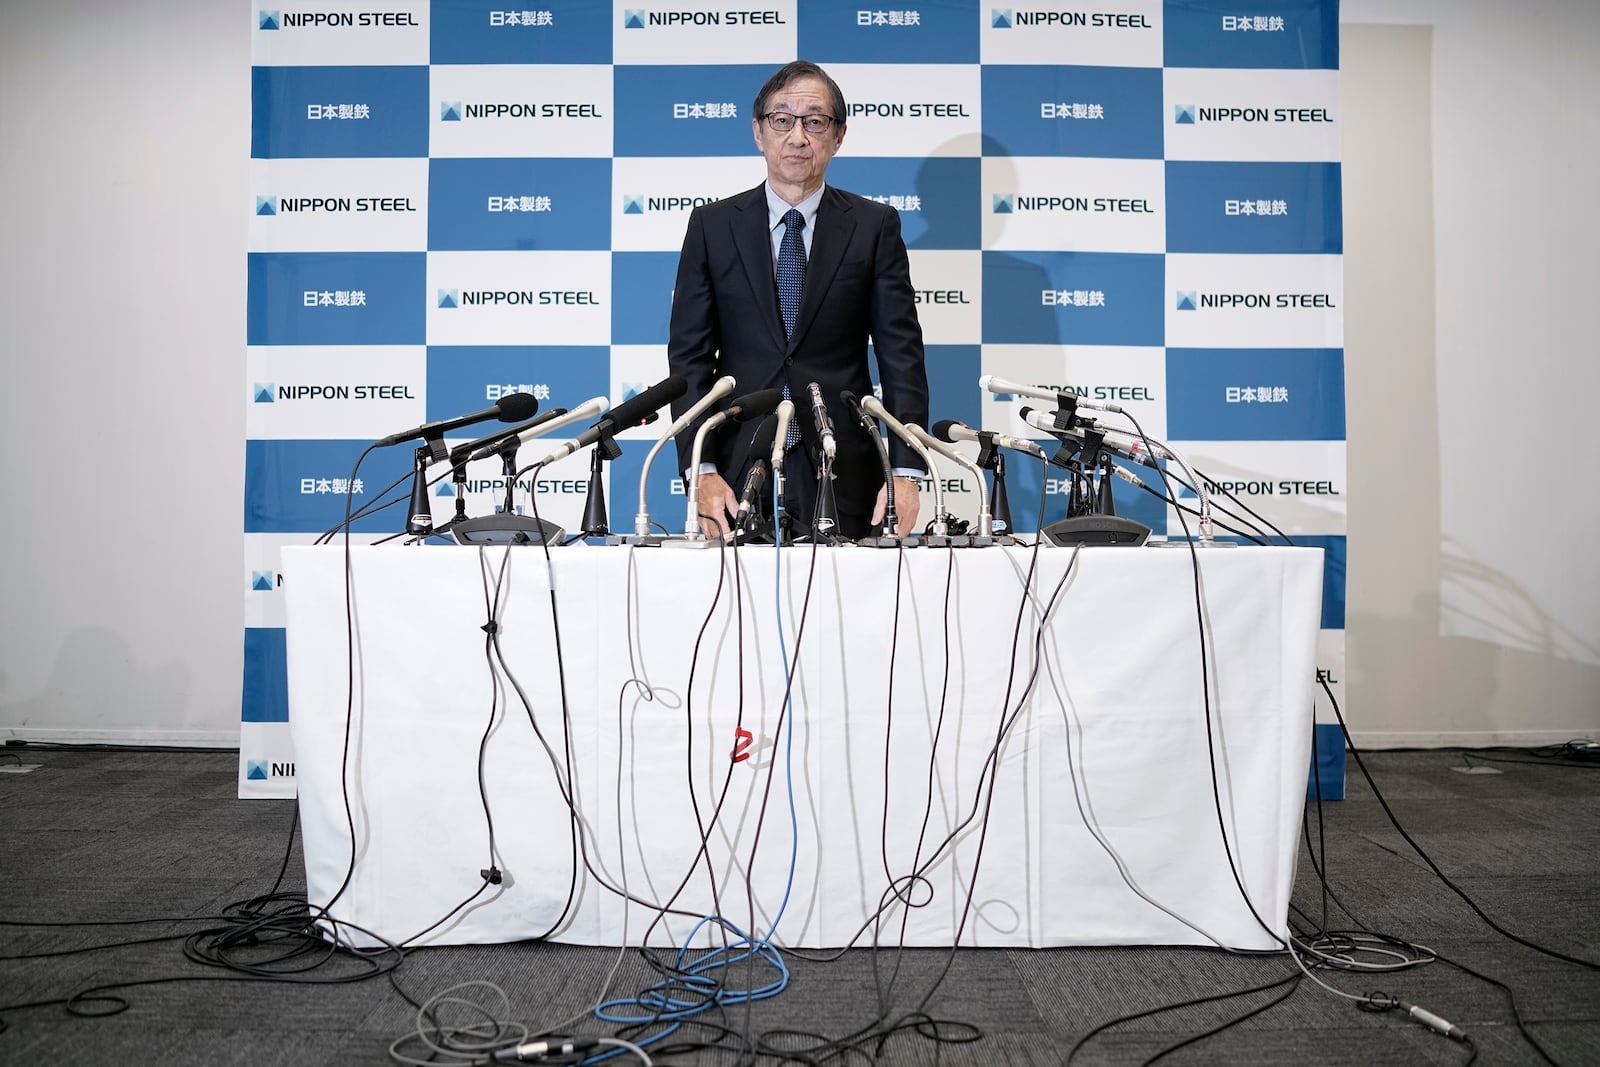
(716, 500)
(907, 504)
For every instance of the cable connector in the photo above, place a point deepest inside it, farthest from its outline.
(491, 627)
(1433, 1022)
(544, 1048)
(492, 875)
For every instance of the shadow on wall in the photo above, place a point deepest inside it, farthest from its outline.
(1514, 689)
(96, 685)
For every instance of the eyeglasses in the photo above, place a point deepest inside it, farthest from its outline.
(815, 125)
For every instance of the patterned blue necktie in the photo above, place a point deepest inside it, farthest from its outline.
(791, 280)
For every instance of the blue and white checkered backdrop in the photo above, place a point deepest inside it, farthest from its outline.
(454, 200)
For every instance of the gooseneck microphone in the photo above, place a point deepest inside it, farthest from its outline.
(891, 519)
(741, 409)
(719, 389)
(819, 414)
(985, 518)
(513, 407)
(871, 406)
(635, 411)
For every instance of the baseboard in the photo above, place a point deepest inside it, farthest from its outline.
(1381, 739)
(164, 738)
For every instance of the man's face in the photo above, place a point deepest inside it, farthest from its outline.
(798, 159)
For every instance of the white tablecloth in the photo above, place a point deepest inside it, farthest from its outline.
(1102, 826)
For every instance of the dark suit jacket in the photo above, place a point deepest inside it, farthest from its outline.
(725, 320)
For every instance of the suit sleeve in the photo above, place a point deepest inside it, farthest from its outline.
(897, 339)
(694, 337)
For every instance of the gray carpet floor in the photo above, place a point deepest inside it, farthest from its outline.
(93, 836)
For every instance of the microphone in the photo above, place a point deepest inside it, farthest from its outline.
(559, 419)
(891, 520)
(635, 411)
(781, 433)
(719, 389)
(1125, 445)
(952, 431)
(513, 407)
(985, 520)
(1133, 448)
(873, 407)
(742, 409)
(489, 444)
(760, 447)
(819, 413)
(1059, 397)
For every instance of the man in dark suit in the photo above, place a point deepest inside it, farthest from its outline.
(777, 317)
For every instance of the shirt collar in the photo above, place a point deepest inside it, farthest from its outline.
(777, 207)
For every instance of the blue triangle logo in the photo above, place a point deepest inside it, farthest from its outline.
(1000, 18)
(1004, 398)
(449, 298)
(632, 20)
(269, 20)
(266, 205)
(255, 770)
(1183, 114)
(449, 111)
(631, 390)
(1186, 301)
(264, 393)
(261, 581)
(632, 205)
(445, 489)
(1004, 203)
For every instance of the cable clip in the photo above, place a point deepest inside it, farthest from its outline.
(491, 627)
(492, 875)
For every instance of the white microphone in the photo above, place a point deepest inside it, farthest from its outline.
(719, 389)
(950, 430)
(1000, 385)
(819, 412)
(985, 519)
(587, 410)
(785, 417)
(872, 406)
(1126, 445)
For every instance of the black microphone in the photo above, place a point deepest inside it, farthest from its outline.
(491, 443)
(513, 407)
(635, 411)
(760, 445)
(819, 413)
(754, 406)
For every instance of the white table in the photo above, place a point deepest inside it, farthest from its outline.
(1102, 826)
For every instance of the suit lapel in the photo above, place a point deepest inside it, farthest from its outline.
(753, 239)
(835, 223)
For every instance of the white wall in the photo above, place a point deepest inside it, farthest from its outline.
(1474, 610)
(124, 144)
(1474, 600)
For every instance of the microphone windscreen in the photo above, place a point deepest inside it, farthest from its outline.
(766, 433)
(633, 411)
(754, 405)
(515, 407)
(942, 428)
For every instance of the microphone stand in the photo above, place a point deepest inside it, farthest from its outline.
(419, 516)
(825, 516)
(1000, 502)
(505, 526)
(595, 523)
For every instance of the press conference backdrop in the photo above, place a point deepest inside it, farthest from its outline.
(455, 200)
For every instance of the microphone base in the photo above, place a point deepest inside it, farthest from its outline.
(1095, 531)
(882, 541)
(690, 542)
(642, 540)
(503, 529)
